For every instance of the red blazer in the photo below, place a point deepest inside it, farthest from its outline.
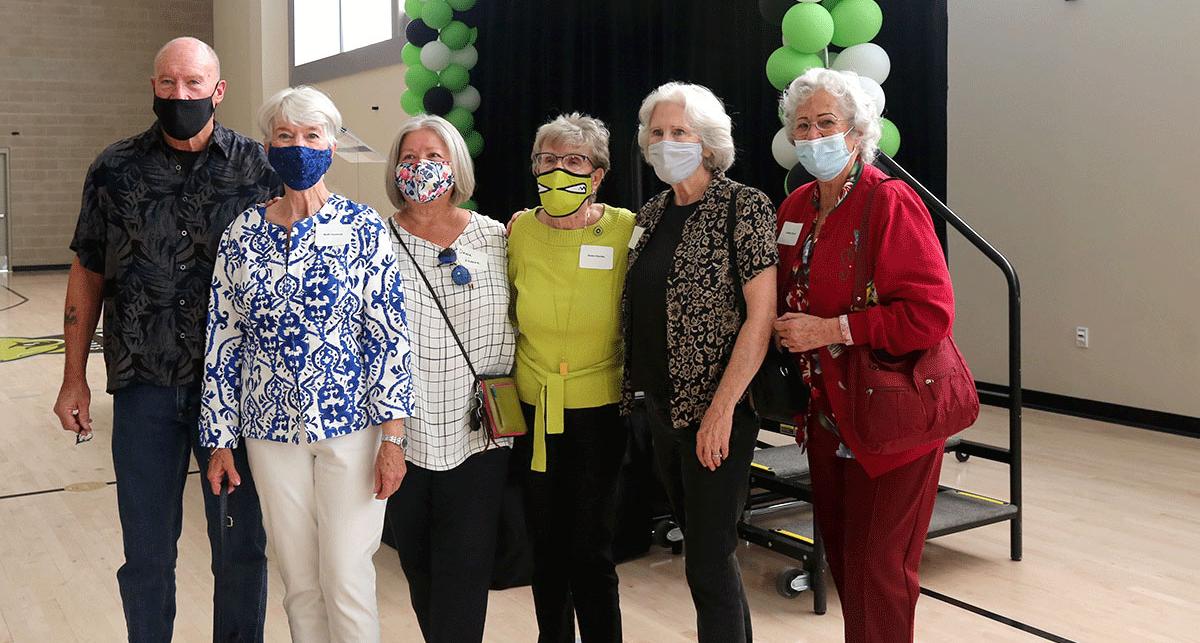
(916, 298)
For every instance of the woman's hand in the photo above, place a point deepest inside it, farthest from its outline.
(389, 470)
(220, 465)
(799, 333)
(511, 220)
(712, 440)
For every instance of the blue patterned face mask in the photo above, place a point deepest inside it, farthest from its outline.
(300, 167)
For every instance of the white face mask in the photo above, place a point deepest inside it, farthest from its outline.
(824, 157)
(674, 161)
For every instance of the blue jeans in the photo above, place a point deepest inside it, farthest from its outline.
(155, 431)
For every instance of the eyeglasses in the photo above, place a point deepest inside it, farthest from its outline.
(824, 125)
(577, 163)
(459, 273)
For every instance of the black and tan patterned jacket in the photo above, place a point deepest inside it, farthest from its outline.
(703, 318)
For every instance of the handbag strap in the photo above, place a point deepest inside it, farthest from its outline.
(436, 300)
(730, 228)
(862, 253)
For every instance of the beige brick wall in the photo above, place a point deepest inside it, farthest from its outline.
(75, 77)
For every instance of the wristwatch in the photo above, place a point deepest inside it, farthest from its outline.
(400, 441)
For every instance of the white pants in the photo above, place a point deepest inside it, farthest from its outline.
(324, 525)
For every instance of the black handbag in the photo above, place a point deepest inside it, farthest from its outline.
(777, 393)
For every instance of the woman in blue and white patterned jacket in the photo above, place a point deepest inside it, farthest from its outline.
(308, 360)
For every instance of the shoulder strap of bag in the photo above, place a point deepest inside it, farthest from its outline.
(862, 253)
(436, 300)
(730, 229)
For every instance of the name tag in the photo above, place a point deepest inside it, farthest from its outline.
(596, 257)
(474, 260)
(790, 233)
(638, 231)
(334, 235)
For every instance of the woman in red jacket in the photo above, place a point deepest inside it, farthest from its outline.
(873, 510)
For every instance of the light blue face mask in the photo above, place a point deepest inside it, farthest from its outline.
(674, 161)
(824, 157)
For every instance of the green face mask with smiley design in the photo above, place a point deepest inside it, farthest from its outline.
(562, 193)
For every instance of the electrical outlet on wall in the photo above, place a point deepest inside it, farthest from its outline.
(1082, 336)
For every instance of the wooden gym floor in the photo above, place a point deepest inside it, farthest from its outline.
(1112, 529)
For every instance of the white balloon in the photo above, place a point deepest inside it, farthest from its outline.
(435, 55)
(467, 56)
(468, 98)
(867, 59)
(875, 92)
(783, 149)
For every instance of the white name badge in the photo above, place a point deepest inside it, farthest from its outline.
(474, 260)
(596, 257)
(790, 233)
(638, 231)
(334, 235)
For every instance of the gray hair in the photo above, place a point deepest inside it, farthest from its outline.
(706, 115)
(195, 42)
(851, 97)
(579, 130)
(460, 158)
(300, 105)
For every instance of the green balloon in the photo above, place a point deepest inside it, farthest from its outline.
(469, 204)
(437, 13)
(474, 35)
(420, 79)
(412, 102)
(786, 64)
(455, 77)
(856, 22)
(410, 54)
(461, 5)
(462, 120)
(830, 4)
(807, 28)
(474, 144)
(412, 9)
(455, 35)
(889, 141)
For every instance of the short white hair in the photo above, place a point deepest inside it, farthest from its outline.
(705, 114)
(854, 101)
(300, 105)
(576, 129)
(460, 158)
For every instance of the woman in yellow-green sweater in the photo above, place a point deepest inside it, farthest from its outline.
(566, 262)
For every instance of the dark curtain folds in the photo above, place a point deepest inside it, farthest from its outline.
(538, 59)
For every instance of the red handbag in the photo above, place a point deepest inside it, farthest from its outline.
(898, 403)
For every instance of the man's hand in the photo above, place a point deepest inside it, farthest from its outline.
(73, 407)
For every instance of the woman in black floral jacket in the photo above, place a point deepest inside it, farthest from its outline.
(699, 303)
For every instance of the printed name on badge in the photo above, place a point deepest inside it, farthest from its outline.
(334, 235)
(474, 261)
(596, 257)
(790, 233)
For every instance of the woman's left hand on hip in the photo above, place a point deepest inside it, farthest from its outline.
(799, 332)
(712, 440)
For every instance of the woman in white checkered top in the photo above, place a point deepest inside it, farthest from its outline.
(444, 517)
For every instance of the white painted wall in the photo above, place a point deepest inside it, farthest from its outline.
(1072, 146)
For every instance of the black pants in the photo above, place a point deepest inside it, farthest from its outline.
(707, 505)
(444, 525)
(570, 510)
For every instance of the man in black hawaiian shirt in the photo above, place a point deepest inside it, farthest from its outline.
(154, 207)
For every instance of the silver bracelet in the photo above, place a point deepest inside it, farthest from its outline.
(400, 441)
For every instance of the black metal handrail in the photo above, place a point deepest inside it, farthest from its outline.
(943, 212)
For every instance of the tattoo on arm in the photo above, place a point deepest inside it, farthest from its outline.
(71, 317)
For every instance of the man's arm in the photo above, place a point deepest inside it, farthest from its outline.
(81, 313)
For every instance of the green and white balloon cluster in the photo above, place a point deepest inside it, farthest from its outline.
(835, 34)
(440, 54)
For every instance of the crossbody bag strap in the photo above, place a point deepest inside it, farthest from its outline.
(862, 253)
(730, 229)
(436, 300)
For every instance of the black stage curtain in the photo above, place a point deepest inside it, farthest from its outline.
(538, 59)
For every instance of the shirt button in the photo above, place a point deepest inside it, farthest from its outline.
(183, 266)
(185, 199)
(182, 302)
(182, 335)
(183, 233)
(178, 168)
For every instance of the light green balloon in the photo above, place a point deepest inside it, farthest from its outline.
(889, 141)
(410, 54)
(474, 35)
(474, 144)
(455, 35)
(412, 103)
(419, 79)
(830, 4)
(454, 77)
(856, 22)
(807, 28)
(437, 13)
(412, 9)
(461, 5)
(786, 64)
(462, 120)
(469, 204)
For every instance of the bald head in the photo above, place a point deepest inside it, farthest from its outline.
(191, 52)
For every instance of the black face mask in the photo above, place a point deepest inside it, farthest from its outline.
(183, 118)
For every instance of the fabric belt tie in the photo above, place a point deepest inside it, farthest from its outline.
(548, 412)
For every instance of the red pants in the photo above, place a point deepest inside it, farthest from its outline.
(874, 531)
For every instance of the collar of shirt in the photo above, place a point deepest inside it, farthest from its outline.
(851, 181)
(221, 140)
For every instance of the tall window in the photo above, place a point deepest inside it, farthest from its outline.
(336, 37)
